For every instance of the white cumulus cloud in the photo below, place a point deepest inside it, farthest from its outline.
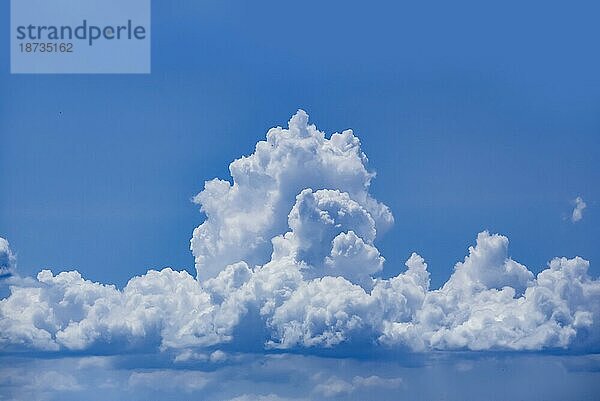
(286, 259)
(7, 259)
(245, 214)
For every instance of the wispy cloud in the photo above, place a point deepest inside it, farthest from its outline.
(293, 377)
(580, 206)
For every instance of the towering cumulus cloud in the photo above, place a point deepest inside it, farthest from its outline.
(244, 217)
(286, 259)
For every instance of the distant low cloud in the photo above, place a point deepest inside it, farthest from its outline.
(267, 397)
(287, 260)
(580, 206)
(335, 386)
(294, 377)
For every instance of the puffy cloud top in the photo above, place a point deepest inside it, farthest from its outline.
(243, 216)
(286, 259)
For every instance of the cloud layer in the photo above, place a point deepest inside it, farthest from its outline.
(293, 377)
(286, 259)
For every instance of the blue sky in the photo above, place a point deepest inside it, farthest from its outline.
(474, 116)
